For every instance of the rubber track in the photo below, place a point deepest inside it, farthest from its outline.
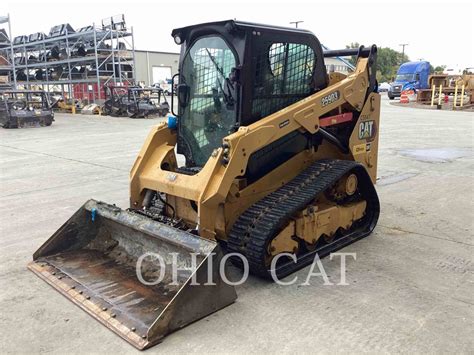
(261, 222)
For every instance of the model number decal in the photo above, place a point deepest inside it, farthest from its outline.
(329, 99)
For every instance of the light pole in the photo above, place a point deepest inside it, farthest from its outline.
(295, 23)
(403, 50)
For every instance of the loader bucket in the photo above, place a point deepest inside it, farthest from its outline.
(92, 260)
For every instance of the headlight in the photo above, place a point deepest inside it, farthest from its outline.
(177, 39)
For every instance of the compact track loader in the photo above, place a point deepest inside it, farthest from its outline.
(280, 165)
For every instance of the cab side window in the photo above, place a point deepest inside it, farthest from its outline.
(284, 73)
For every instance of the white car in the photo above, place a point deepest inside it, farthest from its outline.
(383, 87)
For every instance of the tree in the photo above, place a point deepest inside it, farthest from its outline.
(439, 69)
(353, 59)
(388, 61)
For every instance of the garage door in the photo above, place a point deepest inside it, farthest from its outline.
(161, 74)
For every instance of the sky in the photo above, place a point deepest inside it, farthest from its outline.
(440, 32)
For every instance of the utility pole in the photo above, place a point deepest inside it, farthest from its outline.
(295, 23)
(403, 50)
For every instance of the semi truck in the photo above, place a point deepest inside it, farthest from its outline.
(410, 76)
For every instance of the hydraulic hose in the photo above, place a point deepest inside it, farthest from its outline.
(334, 140)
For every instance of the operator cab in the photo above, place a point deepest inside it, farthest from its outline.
(234, 73)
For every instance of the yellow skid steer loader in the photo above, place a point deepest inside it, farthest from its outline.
(280, 165)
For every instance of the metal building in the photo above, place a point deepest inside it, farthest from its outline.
(337, 64)
(155, 67)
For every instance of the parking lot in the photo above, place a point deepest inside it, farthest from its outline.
(410, 288)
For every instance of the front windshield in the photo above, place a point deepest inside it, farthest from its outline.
(405, 77)
(209, 115)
